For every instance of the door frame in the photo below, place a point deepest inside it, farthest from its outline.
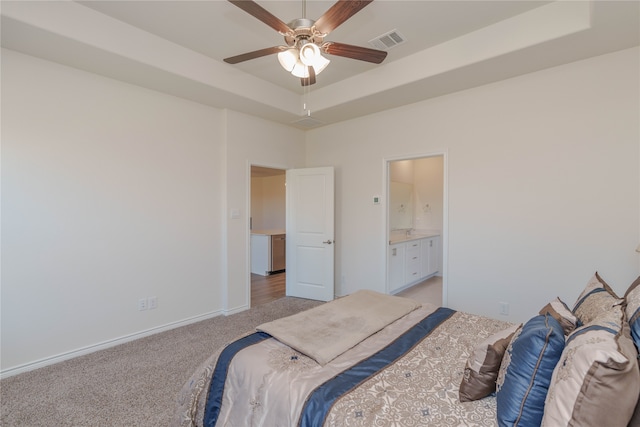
(445, 214)
(247, 256)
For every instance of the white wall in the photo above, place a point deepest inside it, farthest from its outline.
(112, 193)
(268, 202)
(401, 171)
(542, 182)
(256, 203)
(428, 178)
(274, 202)
(426, 174)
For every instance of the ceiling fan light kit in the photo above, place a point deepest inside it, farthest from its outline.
(288, 59)
(300, 70)
(309, 53)
(297, 61)
(304, 38)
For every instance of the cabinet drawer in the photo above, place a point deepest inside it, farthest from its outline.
(413, 248)
(413, 264)
(412, 275)
(412, 268)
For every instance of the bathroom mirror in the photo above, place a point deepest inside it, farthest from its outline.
(400, 205)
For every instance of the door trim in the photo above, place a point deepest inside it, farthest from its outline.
(445, 214)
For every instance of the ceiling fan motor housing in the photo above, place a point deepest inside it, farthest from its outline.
(303, 31)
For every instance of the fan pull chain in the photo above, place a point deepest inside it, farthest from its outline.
(306, 90)
(305, 101)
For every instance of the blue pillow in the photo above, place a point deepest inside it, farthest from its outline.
(632, 300)
(525, 373)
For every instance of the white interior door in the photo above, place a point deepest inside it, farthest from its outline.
(310, 233)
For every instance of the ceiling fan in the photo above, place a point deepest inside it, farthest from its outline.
(304, 39)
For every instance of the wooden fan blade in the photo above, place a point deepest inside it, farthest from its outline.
(338, 13)
(354, 52)
(253, 55)
(308, 81)
(257, 11)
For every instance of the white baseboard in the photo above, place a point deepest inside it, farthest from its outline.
(110, 343)
(236, 310)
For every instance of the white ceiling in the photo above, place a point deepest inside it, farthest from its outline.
(178, 46)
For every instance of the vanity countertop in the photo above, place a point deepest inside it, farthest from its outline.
(415, 236)
(269, 232)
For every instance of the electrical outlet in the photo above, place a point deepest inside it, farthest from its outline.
(504, 308)
(153, 303)
(142, 304)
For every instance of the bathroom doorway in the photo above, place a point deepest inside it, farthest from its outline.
(417, 227)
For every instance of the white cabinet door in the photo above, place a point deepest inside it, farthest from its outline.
(260, 254)
(434, 255)
(430, 256)
(396, 266)
(413, 267)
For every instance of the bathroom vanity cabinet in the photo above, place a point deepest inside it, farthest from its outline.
(412, 260)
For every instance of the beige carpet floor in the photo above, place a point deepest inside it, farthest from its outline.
(133, 384)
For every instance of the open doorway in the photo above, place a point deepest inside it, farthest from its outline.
(417, 228)
(268, 238)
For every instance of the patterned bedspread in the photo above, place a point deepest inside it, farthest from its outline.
(407, 374)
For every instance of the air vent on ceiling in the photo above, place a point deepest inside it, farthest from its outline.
(307, 122)
(388, 40)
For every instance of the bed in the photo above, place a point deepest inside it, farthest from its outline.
(409, 371)
(370, 359)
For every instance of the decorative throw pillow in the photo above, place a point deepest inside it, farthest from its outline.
(526, 370)
(635, 419)
(632, 299)
(481, 370)
(596, 298)
(597, 381)
(559, 311)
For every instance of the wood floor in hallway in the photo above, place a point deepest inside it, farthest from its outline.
(267, 288)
